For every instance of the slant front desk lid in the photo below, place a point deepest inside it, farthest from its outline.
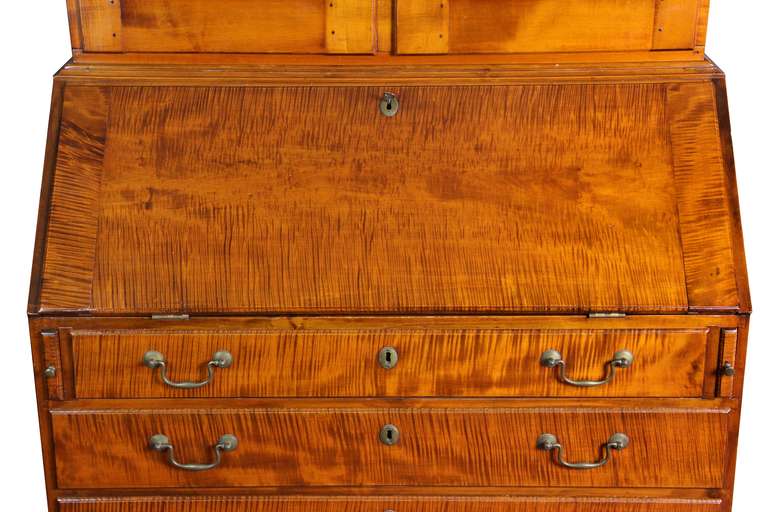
(553, 197)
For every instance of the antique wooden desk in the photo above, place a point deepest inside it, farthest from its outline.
(367, 256)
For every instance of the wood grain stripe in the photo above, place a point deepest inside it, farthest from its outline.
(702, 189)
(102, 25)
(443, 447)
(379, 504)
(326, 363)
(350, 26)
(249, 209)
(74, 205)
(52, 359)
(675, 24)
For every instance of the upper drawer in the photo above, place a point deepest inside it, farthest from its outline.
(525, 26)
(390, 362)
(225, 26)
(547, 197)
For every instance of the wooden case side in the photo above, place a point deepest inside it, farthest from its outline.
(51, 151)
(705, 208)
(737, 235)
(75, 28)
(702, 24)
(71, 221)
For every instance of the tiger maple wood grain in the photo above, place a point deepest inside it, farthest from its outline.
(73, 222)
(354, 26)
(376, 504)
(228, 26)
(471, 199)
(325, 363)
(101, 25)
(52, 359)
(349, 26)
(453, 447)
(676, 24)
(520, 26)
(705, 216)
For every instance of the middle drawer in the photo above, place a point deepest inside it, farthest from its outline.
(380, 443)
(389, 362)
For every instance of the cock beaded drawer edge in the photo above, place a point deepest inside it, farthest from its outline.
(369, 256)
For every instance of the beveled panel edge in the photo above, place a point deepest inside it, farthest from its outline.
(704, 209)
(46, 189)
(737, 235)
(71, 225)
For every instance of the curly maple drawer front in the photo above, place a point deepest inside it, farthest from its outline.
(331, 444)
(379, 504)
(389, 362)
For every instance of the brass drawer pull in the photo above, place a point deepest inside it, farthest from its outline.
(154, 359)
(549, 443)
(161, 443)
(621, 359)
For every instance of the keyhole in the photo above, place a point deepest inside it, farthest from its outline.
(389, 104)
(388, 358)
(389, 435)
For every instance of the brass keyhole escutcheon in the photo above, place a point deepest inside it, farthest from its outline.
(389, 104)
(389, 435)
(388, 358)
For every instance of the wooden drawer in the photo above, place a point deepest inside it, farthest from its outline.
(379, 504)
(389, 362)
(524, 26)
(440, 444)
(227, 26)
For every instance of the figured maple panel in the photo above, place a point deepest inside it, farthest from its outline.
(73, 218)
(534, 198)
(520, 26)
(438, 362)
(705, 215)
(228, 26)
(378, 504)
(472, 446)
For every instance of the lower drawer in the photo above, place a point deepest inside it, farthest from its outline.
(338, 444)
(379, 504)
